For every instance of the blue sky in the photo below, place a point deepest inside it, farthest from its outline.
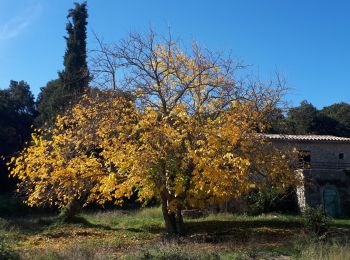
(307, 41)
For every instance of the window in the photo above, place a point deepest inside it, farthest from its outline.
(305, 159)
(341, 156)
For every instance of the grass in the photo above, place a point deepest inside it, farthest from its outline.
(140, 234)
(330, 250)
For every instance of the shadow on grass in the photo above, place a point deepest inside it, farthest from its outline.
(85, 223)
(29, 225)
(341, 224)
(236, 231)
(37, 224)
(226, 225)
(200, 230)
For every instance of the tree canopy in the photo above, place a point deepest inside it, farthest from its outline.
(50, 102)
(302, 119)
(307, 119)
(339, 113)
(189, 137)
(17, 113)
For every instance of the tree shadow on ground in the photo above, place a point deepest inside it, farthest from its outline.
(231, 231)
(341, 225)
(85, 223)
(225, 225)
(29, 225)
(37, 224)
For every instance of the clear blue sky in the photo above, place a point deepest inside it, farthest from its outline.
(307, 41)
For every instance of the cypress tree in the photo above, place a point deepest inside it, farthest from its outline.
(73, 80)
(75, 76)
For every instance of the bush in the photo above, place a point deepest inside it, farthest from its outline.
(315, 220)
(6, 252)
(12, 206)
(270, 200)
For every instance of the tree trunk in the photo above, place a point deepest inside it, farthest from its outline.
(179, 221)
(173, 220)
(70, 210)
(169, 218)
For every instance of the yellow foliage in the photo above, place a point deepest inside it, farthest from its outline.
(188, 150)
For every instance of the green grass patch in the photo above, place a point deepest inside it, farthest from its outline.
(140, 234)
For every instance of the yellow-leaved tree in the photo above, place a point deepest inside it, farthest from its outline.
(190, 136)
(63, 165)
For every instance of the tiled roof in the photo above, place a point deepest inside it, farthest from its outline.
(306, 138)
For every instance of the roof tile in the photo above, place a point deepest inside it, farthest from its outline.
(317, 138)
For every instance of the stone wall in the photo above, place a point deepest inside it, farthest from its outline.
(317, 180)
(320, 151)
(328, 178)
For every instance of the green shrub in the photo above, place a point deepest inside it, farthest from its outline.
(3, 223)
(6, 252)
(270, 200)
(12, 206)
(316, 221)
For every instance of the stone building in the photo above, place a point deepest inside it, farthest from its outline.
(325, 168)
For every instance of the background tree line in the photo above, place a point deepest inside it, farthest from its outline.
(307, 119)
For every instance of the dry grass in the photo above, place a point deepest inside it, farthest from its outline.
(326, 251)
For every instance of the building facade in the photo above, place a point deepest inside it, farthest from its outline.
(324, 164)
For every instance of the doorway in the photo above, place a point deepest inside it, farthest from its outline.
(331, 201)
